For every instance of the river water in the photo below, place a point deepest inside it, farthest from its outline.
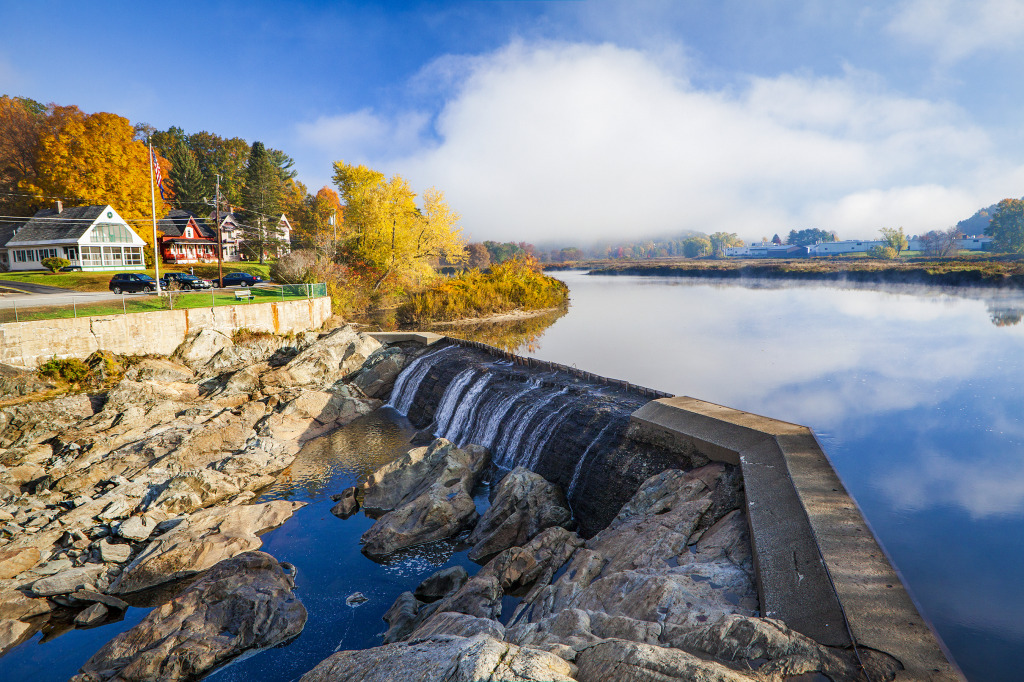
(915, 394)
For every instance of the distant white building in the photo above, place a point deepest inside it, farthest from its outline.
(93, 237)
(762, 250)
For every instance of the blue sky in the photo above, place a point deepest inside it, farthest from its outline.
(571, 121)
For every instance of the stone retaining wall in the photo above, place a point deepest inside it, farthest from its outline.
(30, 344)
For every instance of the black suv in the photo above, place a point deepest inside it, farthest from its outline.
(128, 281)
(185, 281)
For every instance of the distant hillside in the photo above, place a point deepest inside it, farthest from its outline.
(977, 223)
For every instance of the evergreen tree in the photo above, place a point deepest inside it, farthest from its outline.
(186, 180)
(261, 195)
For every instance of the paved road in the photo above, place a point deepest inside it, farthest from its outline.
(30, 288)
(37, 295)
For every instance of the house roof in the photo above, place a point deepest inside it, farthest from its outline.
(48, 225)
(174, 223)
(6, 232)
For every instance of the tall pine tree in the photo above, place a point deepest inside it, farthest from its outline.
(187, 180)
(261, 196)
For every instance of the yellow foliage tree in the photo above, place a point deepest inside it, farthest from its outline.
(94, 159)
(387, 233)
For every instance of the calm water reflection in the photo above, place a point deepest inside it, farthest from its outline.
(915, 395)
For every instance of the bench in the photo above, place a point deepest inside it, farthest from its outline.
(243, 294)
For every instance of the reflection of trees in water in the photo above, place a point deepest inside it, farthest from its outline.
(512, 335)
(1003, 315)
(353, 451)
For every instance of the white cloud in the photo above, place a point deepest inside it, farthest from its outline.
(574, 142)
(955, 29)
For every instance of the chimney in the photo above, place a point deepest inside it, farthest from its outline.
(60, 206)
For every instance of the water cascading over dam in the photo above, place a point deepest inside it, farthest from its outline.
(570, 431)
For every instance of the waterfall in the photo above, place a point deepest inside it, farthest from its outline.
(510, 446)
(453, 428)
(583, 458)
(409, 380)
(450, 399)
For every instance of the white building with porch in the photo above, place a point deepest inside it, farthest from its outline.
(93, 237)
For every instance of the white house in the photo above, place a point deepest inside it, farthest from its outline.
(233, 235)
(94, 237)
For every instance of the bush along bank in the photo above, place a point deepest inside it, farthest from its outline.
(515, 284)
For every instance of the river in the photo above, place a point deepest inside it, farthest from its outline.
(914, 393)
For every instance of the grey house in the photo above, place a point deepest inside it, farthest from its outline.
(94, 237)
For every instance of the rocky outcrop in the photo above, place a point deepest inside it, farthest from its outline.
(429, 493)
(524, 504)
(314, 413)
(330, 359)
(201, 541)
(440, 584)
(454, 659)
(241, 604)
(377, 376)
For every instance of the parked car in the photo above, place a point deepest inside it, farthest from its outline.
(129, 281)
(242, 279)
(71, 268)
(183, 280)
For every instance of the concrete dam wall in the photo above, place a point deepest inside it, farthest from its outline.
(818, 566)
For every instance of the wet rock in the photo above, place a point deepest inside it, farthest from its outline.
(441, 584)
(13, 633)
(454, 659)
(241, 604)
(536, 561)
(347, 504)
(459, 624)
(410, 475)
(524, 505)
(377, 376)
(430, 489)
(15, 561)
(401, 617)
(356, 598)
(92, 616)
(200, 541)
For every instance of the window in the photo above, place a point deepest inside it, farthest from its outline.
(92, 255)
(133, 255)
(19, 257)
(110, 233)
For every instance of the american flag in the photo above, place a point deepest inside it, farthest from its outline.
(159, 177)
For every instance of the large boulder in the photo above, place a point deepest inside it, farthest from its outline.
(314, 413)
(201, 541)
(524, 505)
(377, 376)
(451, 658)
(429, 492)
(241, 604)
(332, 357)
(199, 347)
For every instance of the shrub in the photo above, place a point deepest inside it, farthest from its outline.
(514, 284)
(69, 370)
(293, 268)
(55, 264)
(884, 252)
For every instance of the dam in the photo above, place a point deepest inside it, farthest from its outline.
(818, 566)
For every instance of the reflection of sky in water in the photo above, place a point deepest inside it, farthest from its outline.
(916, 398)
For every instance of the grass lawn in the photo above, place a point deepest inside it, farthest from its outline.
(150, 303)
(99, 281)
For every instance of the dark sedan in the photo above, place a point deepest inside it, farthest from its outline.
(185, 281)
(124, 282)
(242, 279)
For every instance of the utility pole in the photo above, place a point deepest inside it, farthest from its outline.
(334, 222)
(220, 240)
(152, 198)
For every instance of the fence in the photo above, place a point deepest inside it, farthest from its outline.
(91, 305)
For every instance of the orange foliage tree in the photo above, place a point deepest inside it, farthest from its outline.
(95, 159)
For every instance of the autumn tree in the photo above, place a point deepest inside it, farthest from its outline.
(1007, 226)
(94, 159)
(21, 122)
(387, 233)
(478, 256)
(695, 247)
(720, 241)
(314, 227)
(894, 238)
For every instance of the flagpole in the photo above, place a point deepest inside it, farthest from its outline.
(152, 198)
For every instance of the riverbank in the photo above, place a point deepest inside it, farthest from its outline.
(993, 271)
